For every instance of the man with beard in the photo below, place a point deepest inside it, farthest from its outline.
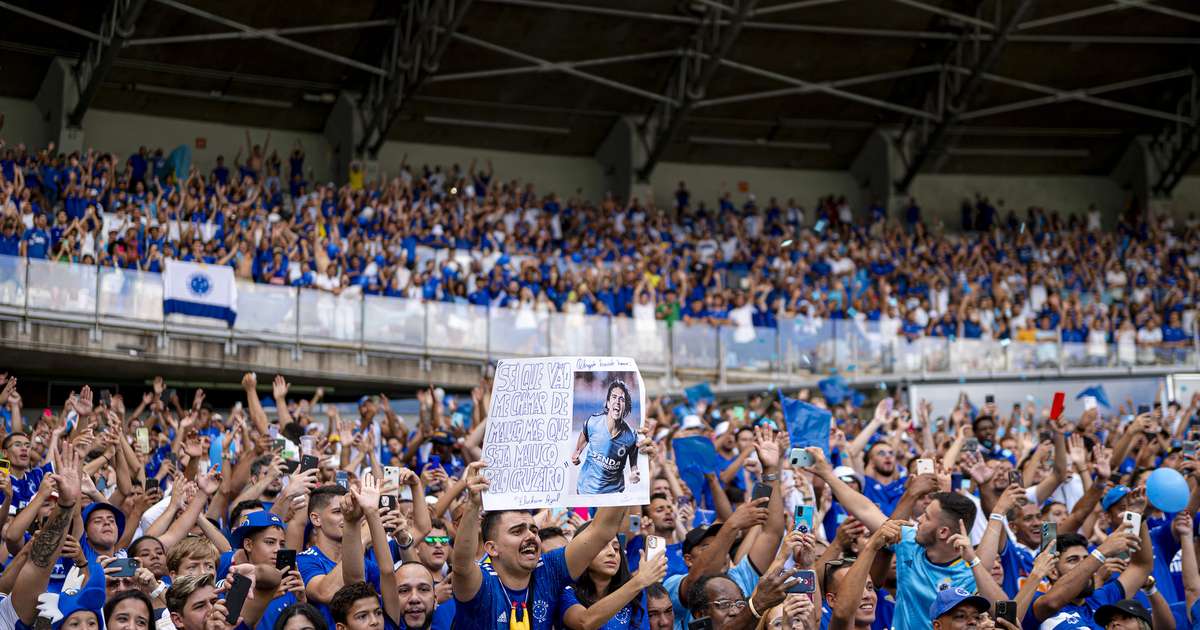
(519, 585)
(1073, 598)
(434, 549)
(660, 515)
(883, 484)
(414, 584)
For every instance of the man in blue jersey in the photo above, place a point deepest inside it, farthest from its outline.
(516, 586)
(1073, 598)
(610, 444)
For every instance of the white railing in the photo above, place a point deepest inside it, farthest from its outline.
(43, 290)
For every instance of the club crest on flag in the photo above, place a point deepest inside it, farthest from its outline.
(199, 284)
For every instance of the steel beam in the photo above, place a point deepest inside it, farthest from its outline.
(256, 32)
(1088, 95)
(1177, 146)
(791, 6)
(554, 66)
(418, 43)
(34, 15)
(833, 88)
(947, 13)
(259, 34)
(710, 45)
(90, 71)
(516, 54)
(962, 97)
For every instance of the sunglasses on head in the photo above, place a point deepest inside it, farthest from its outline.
(437, 540)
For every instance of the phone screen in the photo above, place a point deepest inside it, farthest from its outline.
(285, 558)
(236, 597)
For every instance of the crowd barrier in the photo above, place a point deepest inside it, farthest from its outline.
(104, 296)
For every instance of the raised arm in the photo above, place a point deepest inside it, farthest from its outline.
(855, 502)
(467, 575)
(578, 617)
(35, 574)
(855, 582)
(253, 404)
(767, 542)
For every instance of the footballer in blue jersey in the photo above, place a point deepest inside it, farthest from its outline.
(610, 444)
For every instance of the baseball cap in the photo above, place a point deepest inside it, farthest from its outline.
(1115, 494)
(252, 522)
(118, 515)
(721, 429)
(1131, 607)
(950, 598)
(698, 535)
(847, 474)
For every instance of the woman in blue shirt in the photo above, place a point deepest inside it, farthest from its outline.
(608, 591)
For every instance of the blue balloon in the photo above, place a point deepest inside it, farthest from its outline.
(1167, 490)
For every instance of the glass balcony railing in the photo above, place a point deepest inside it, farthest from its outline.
(798, 347)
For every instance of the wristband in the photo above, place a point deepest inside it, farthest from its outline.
(996, 517)
(750, 605)
(1099, 556)
(1150, 591)
(973, 563)
(162, 588)
(770, 477)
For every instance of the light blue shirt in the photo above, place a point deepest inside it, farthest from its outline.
(742, 574)
(919, 580)
(603, 469)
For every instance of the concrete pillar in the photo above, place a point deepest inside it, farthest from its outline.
(617, 156)
(1136, 173)
(55, 99)
(876, 167)
(343, 132)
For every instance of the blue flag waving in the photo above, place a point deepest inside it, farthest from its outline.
(697, 393)
(1097, 392)
(835, 390)
(808, 425)
(695, 456)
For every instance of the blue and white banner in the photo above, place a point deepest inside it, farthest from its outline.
(200, 290)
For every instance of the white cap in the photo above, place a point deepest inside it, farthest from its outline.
(721, 429)
(692, 421)
(846, 472)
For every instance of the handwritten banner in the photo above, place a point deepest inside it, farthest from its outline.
(563, 432)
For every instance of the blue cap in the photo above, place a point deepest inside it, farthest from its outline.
(58, 607)
(1115, 494)
(117, 514)
(954, 596)
(252, 522)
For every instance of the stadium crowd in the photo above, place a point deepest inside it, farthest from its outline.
(280, 514)
(461, 235)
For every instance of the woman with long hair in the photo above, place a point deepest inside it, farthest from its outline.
(607, 595)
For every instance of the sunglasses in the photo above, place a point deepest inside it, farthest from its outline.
(437, 540)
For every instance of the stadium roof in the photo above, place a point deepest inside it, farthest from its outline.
(1011, 86)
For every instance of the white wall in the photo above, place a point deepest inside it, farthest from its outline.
(23, 123)
(549, 173)
(941, 195)
(708, 182)
(1186, 198)
(943, 396)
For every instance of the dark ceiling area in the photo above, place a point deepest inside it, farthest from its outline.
(804, 84)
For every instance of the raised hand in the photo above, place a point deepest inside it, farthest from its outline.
(352, 509)
(767, 447)
(476, 483)
(367, 493)
(279, 388)
(962, 543)
(66, 477)
(887, 534)
(749, 514)
(198, 400)
(83, 404)
(650, 572)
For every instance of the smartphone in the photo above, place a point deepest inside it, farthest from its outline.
(635, 523)
(168, 394)
(956, 482)
(391, 474)
(127, 567)
(924, 466)
(1132, 522)
(273, 432)
(802, 520)
(805, 582)
(285, 559)
(236, 597)
(1049, 535)
(800, 458)
(5, 466)
(106, 398)
(101, 482)
(151, 484)
(343, 479)
(761, 491)
(1190, 447)
(290, 466)
(143, 440)
(1056, 408)
(971, 445)
(1014, 477)
(1007, 610)
(700, 623)
(308, 462)
(1143, 409)
(989, 399)
(655, 546)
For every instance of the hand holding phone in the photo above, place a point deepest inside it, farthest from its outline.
(236, 598)
(924, 466)
(761, 491)
(126, 567)
(800, 458)
(285, 559)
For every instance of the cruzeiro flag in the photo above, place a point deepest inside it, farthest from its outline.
(200, 290)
